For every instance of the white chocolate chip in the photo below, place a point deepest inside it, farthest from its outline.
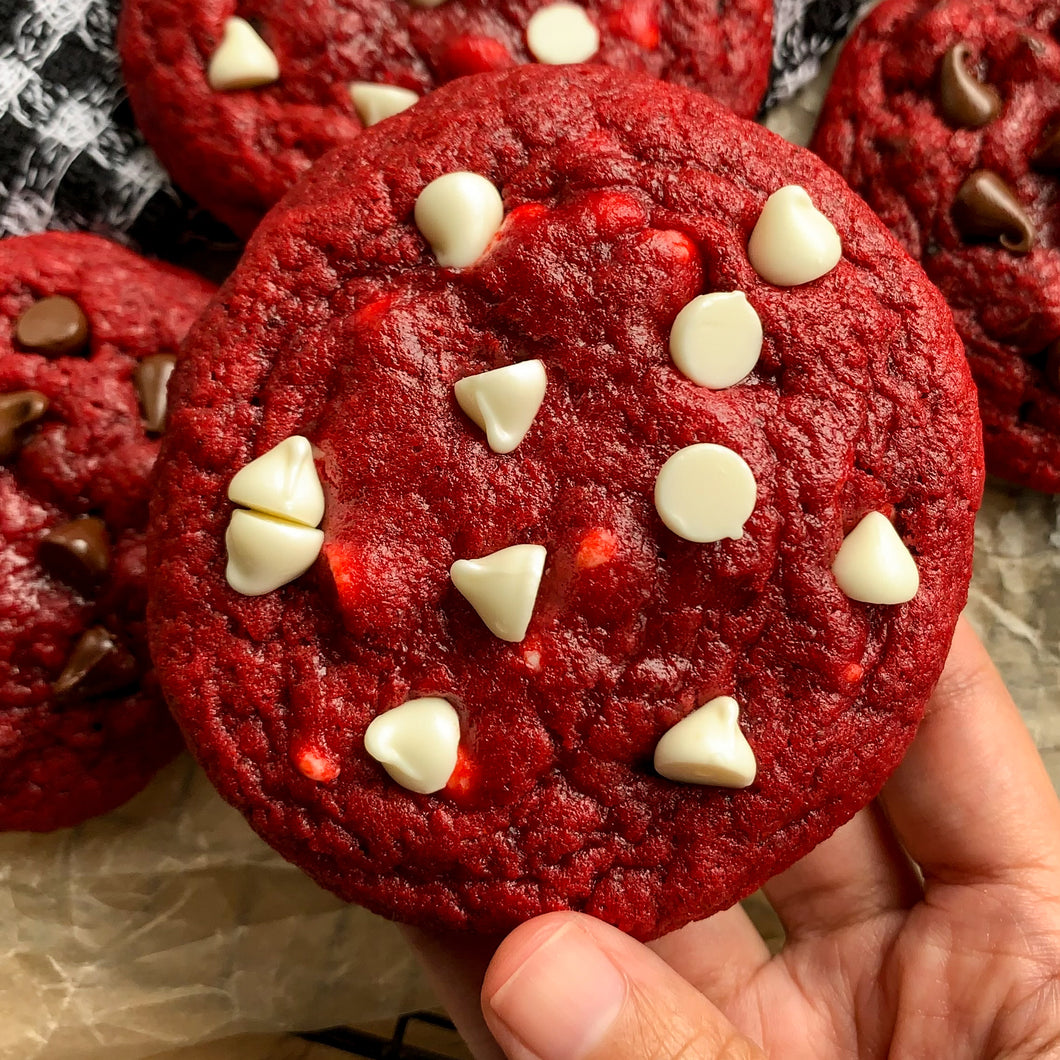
(874, 566)
(416, 743)
(503, 402)
(561, 33)
(716, 339)
(283, 483)
(376, 102)
(459, 214)
(502, 587)
(265, 553)
(707, 747)
(242, 59)
(793, 242)
(705, 492)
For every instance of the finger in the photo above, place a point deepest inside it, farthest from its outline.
(719, 956)
(971, 801)
(857, 873)
(455, 966)
(567, 987)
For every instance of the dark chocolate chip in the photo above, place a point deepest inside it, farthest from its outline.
(965, 101)
(986, 207)
(53, 326)
(97, 665)
(1047, 157)
(18, 410)
(152, 378)
(77, 552)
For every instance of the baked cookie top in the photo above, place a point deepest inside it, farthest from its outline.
(945, 117)
(566, 503)
(239, 100)
(88, 337)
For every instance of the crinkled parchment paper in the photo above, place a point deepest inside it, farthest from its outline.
(1014, 604)
(169, 922)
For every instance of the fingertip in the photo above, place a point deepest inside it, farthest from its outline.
(551, 992)
(569, 987)
(518, 946)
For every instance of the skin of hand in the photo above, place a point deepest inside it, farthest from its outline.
(926, 927)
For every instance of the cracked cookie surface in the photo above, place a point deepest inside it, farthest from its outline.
(545, 602)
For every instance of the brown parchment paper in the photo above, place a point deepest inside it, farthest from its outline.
(168, 922)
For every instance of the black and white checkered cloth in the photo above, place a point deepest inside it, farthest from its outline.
(70, 156)
(803, 32)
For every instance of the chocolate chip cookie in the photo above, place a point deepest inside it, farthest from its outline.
(945, 117)
(88, 337)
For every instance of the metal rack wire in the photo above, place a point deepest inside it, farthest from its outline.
(371, 1046)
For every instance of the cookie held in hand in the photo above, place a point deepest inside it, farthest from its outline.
(237, 106)
(89, 337)
(606, 565)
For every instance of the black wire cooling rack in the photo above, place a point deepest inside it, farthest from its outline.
(362, 1043)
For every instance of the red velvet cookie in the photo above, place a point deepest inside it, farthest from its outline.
(946, 118)
(567, 503)
(239, 100)
(89, 337)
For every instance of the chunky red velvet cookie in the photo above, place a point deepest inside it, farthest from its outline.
(567, 503)
(946, 118)
(88, 340)
(239, 99)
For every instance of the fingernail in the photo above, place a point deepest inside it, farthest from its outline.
(562, 998)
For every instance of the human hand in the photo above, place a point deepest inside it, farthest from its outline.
(958, 959)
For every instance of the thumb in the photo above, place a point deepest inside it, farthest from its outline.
(568, 987)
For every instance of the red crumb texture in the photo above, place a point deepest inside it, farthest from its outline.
(62, 761)
(625, 198)
(598, 546)
(238, 152)
(883, 129)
